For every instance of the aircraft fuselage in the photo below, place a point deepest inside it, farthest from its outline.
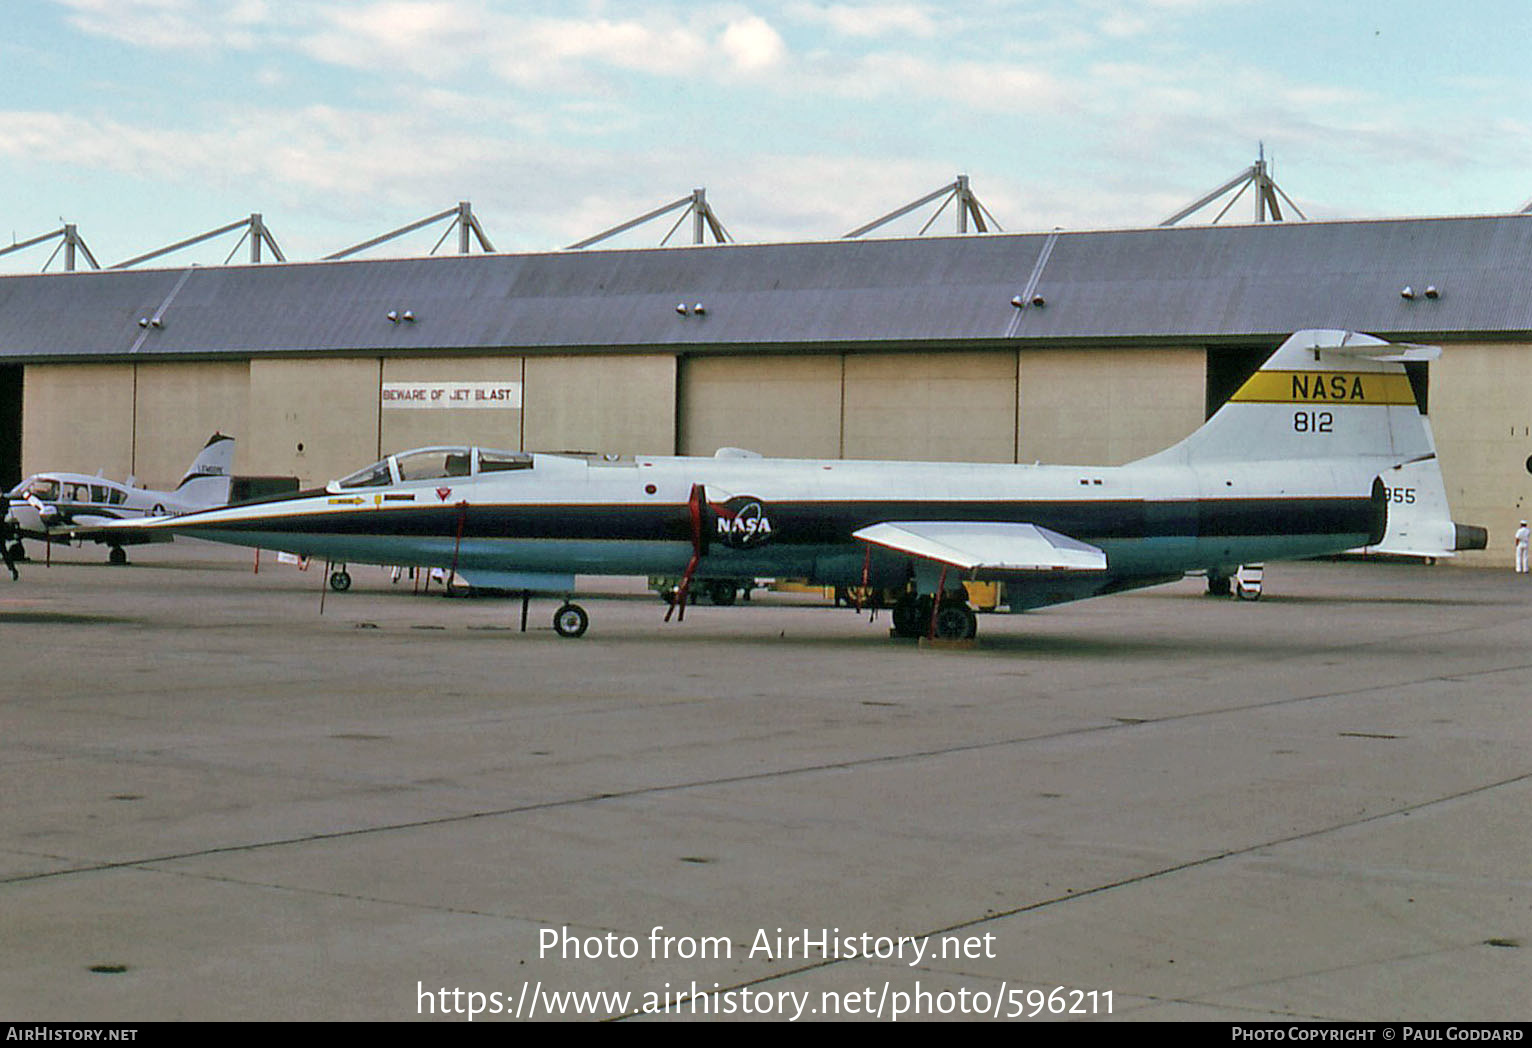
(796, 518)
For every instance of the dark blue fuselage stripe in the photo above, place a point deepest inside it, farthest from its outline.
(832, 523)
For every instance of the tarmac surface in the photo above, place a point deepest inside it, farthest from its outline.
(224, 803)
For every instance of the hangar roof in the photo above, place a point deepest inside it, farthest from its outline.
(1209, 283)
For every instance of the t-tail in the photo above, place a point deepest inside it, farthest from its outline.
(208, 479)
(1323, 395)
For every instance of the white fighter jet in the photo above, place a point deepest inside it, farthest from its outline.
(67, 507)
(1288, 468)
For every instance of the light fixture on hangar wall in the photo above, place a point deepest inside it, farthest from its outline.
(70, 242)
(1267, 191)
(695, 204)
(255, 233)
(463, 221)
(968, 206)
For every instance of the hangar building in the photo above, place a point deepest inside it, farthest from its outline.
(1090, 347)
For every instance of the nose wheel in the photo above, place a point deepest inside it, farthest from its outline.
(570, 620)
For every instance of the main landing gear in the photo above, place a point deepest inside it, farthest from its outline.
(1243, 582)
(953, 618)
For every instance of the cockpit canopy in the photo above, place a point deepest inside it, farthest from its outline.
(40, 487)
(439, 463)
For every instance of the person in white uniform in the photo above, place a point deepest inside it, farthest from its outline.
(1523, 536)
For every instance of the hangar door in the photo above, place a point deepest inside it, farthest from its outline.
(945, 406)
(936, 407)
(10, 425)
(780, 406)
(1107, 406)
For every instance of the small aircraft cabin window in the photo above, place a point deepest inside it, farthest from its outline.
(499, 461)
(44, 488)
(116, 496)
(76, 492)
(98, 493)
(376, 475)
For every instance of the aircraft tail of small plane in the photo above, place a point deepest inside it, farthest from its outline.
(1322, 395)
(208, 478)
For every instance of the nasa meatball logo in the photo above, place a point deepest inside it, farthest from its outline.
(743, 523)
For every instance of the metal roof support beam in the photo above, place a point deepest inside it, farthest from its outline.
(254, 227)
(260, 234)
(466, 224)
(1267, 193)
(74, 242)
(696, 205)
(70, 241)
(968, 207)
(463, 221)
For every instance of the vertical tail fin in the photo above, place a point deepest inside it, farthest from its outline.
(1321, 395)
(210, 475)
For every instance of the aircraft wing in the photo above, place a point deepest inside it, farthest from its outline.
(986, 550)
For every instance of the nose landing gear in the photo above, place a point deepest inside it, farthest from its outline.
(570, 620)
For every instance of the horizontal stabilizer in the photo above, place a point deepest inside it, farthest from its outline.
(986, 549)
(1393, 353)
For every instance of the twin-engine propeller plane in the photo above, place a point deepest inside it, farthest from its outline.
(1288, 468)
(67, 507)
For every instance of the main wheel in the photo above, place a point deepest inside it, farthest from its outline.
(570, 620)
(1219, 586)
(721, 592)
(117, 556)
(340, 580)
(912, 616)
(955, 621)
(18, 552)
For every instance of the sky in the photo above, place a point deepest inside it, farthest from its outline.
(147, 121)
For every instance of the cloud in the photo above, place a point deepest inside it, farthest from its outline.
(752, 44)
(180, 25)
(869, 20)
(803, 119)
